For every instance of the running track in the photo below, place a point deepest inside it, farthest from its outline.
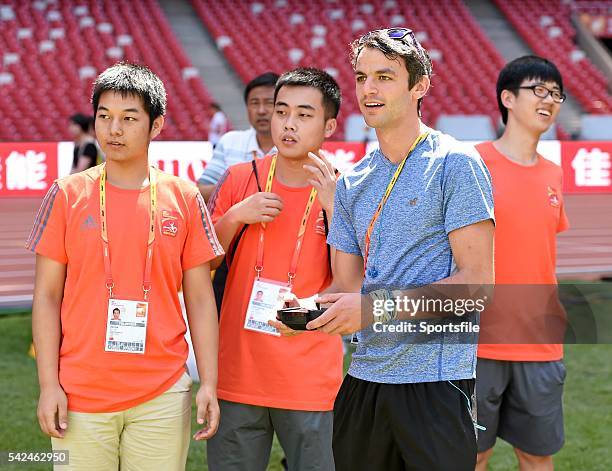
(584, 251)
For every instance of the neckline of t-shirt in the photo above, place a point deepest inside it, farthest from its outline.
(390, 164)
(517, 164)
(293, 189)
(275, 181)
(116, 189)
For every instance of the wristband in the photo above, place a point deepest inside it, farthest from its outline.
(381, 297)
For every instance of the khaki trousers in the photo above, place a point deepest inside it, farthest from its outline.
(149, 437)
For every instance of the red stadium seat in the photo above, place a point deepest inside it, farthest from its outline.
(47, 84)
(261, 42)
(581, 78)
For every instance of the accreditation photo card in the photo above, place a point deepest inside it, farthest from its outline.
(267, 297)
(126, 326)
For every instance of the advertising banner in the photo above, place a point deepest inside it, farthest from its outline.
(343, 154)
(586, 167)
(27, 168)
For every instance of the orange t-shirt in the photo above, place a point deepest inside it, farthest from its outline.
(67, 229)
(529, 212)
(302, 372)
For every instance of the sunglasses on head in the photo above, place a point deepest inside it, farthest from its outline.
(405, 35)
(399, 34)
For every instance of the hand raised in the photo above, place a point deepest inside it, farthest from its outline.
(323, 178)
(260, 207)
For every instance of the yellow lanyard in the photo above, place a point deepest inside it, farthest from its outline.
(385, 197)
(301, 231)
(146, 284)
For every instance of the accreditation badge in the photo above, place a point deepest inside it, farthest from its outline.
(267, 297)
(126, 326)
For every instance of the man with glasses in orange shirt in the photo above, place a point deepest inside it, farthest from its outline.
(519, 385)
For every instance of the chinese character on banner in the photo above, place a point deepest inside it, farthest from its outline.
(592, 167)
(184, 159)
(27, 169)
(586, 167)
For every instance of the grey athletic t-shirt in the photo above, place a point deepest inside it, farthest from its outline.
(443, 186)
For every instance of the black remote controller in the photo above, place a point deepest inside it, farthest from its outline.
(297, 317)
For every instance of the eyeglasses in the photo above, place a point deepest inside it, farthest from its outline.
(542, 92)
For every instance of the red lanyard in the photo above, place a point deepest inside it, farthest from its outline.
(384, 199)
(146, 283)
(300, 235)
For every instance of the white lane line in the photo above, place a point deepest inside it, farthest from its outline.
(590, 269)
(17, 261)
(587, 262)
(5, 300)
(12, 274)
(19, 287)
(17, 251)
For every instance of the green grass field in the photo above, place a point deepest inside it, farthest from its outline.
(588, 406)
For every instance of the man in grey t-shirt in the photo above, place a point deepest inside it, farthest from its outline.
(416, 212)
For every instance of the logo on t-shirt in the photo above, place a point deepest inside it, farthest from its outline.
(169, 222)
(553, 197)
(89, 223)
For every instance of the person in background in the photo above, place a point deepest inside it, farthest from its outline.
(218, 124)
(237, 147)
(85, 153)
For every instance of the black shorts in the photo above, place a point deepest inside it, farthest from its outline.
(521, 402)
(415, 426)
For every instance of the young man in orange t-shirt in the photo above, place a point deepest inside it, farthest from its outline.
(114, 244)
(519, 385)
(270, 383)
